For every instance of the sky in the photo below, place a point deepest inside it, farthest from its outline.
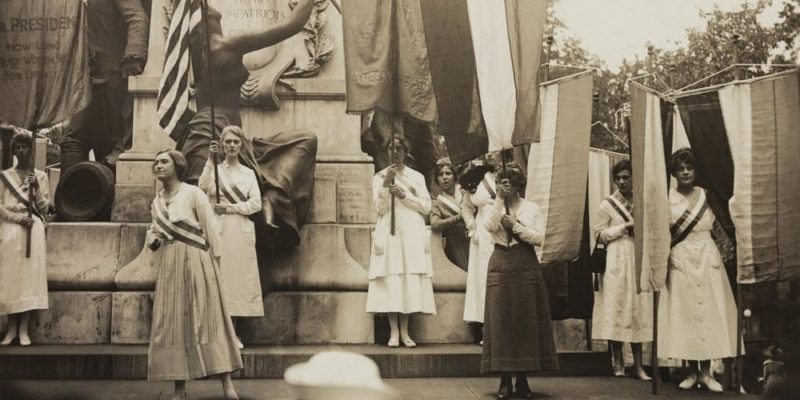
(617, 29)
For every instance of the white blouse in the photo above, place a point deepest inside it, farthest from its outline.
(529, 226)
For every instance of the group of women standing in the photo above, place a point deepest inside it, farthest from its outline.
(697, 313)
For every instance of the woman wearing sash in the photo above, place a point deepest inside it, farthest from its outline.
(240, 197)
(474, 209)
(621, 315)
(697, 311)
(400, 267)
(446, 215)
(518, 332)
(192, 335)
(23, 280)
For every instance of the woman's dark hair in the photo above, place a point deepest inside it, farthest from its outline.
(403, 141)
(623, 165)
(683, 155)
(514, 176)
(471, 176)
(439, 167)
(181, 166)
(24, 138)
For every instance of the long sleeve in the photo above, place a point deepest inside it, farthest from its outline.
(5, 214)
(493, 221)
(530, 226)
(253, 203)
(468, 211)
(206, 181)
(207, 220)
(138, 28)
(380, 195)
(421, 201)
(439, 223)
(607, 232)
(43, 192)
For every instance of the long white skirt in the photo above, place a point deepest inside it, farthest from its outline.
(697, 312)
(23, 280)
(619, 312)
(240, 279)
(480, 250)
(403, 293)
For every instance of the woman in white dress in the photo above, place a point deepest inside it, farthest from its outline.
(697, 313)
(400, 267)
(23, 280)
(475, 208)
(191, 335)
(240, 197)
(620, 314)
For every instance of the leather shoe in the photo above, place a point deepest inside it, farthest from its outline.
(711, 383)
(523, 391)
(505, 391)
(689, 383)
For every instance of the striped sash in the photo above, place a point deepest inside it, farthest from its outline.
(178, 230)
(230, 191)
(622, 210)
(688, 220)
(488, 186)
(448, 204)
(18, 193)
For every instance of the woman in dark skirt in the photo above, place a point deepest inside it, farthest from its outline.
(518, 332)
(446, 215)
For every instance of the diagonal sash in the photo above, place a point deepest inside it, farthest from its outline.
(230, 191)
(688, 220)
(405, 184)
(448, 204)
(179, 230)
(489, 188)
(620, 208)
(18, 193)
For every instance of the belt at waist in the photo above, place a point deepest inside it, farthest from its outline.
(498, 246)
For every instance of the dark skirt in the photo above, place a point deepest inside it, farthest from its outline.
(518, 332)
(456, 246)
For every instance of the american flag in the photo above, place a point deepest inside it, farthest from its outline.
(173, 91)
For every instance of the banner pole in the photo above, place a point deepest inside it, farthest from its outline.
(392, 152)
(31, 193)
(654, 350)
(739, 337)
(204, 6)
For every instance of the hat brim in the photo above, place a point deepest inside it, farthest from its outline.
(311, 392)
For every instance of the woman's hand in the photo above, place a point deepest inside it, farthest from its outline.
(508, 220)
(32, 180)
(391, 173)
(397, 191)
(503, 189)
(220, 208)
(25, 221)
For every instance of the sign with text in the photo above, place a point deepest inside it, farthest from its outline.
(44, 70)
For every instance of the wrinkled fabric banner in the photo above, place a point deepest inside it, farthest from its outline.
(601, 184)
(651, 211)
(44, 73)
(559, 163)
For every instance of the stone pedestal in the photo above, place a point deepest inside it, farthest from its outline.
(73, 317)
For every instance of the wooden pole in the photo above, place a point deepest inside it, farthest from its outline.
(654, 349)
(31, 193)
(735, 41)
(737, 383)
(550, 41)
(392, 218)
(214, 135)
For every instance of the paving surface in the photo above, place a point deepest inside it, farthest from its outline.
(274, 389)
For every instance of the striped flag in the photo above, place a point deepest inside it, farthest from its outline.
(762, 123)
(601, 185)
(651, 213)
(559, 165)
(484, 61)
(173, 90)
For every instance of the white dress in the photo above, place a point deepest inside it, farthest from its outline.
(23, 280)
(240, 277)
(481, 246)
(697, 312)
(619, 313)
(400, 267)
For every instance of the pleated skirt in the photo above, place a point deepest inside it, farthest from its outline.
(192, 335)
(517, 332)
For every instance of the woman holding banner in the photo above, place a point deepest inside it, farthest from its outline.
(240, 197)
(620, 313)
(697, 311)
(446, 215)
(518, 332)
(191, 335)
(400, 267)
(23, 279)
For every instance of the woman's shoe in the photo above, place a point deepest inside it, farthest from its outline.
(393, 343)
(643, 376)
(689, 383)
(619, 372)
(409, 343)
(505, 391)
(239, 343)
(523, 391)
(24, 340)
(7, 340)
(711, 383)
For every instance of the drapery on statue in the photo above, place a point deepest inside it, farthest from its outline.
(284, 162)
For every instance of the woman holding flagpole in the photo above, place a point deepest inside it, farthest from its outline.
(191, 335)
(697, 312)
(446, 215)
(400, 267)
(240, 197)
(518, 332)
(23, 280)
(620, 313)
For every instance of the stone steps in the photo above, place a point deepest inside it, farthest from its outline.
(106, 361)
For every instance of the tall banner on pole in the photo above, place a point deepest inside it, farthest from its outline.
(44, 70)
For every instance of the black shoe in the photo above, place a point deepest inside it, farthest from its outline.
(523, 390)
(505, 391)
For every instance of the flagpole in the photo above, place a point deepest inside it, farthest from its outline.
(654, 347)
(31, 193)
(204, 6)
(392, 151)
(505, 199)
